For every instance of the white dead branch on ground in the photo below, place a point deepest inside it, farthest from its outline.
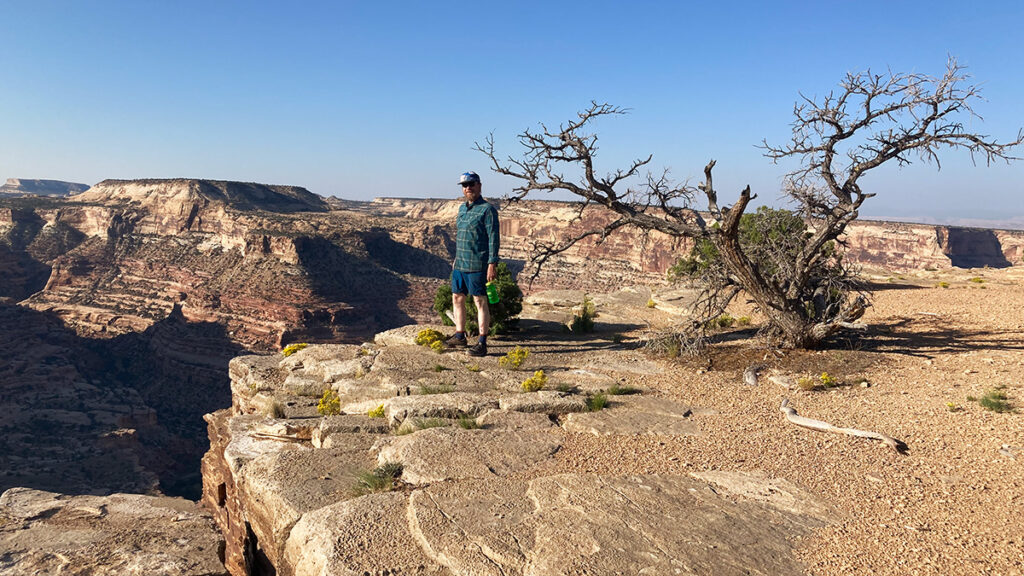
(823, 426)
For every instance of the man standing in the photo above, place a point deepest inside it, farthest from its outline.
(476, 261)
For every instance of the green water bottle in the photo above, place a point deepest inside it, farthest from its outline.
(492, 293)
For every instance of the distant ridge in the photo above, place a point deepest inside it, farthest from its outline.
(237, 195)
(24, 186)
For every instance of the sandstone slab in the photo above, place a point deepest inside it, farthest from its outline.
(597, 525)
(628, 415)
(512, 420)
(120, 534)
(451, 405)
(543, 401)
(438, 454)
(367, 535)
(656, 525)
(279, 488)
(483, 527)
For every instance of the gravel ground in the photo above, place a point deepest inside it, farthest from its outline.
(952, 504)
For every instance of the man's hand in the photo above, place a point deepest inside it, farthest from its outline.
(492, 272)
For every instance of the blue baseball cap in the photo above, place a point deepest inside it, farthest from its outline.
(468, 178)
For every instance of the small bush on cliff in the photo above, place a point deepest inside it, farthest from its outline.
(293, 348)
(381, 479)
(330, 403)
(438, 389)
(504, 314)
(994, 400)
(825, 380)
(583, 320)
(597, 402)
(514, 358)
(431, 338)
(411, 425)
(377, 412)
(535, 382)
(468, 423)
(625, 390)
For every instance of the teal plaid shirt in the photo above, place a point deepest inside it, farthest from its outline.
(477, 240)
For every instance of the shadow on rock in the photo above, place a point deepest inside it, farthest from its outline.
(90, 416)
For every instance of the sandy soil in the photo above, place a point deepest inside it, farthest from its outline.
(952, 504)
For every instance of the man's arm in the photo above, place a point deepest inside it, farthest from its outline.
(493, 243)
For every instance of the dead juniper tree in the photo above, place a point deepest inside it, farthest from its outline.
(785, 261)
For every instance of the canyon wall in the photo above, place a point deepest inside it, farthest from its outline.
(28, 186)
(630, 255)
(124, 305)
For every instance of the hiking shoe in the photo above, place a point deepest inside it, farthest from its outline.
(478, 349)
(453, 342)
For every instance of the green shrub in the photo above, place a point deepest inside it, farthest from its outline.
(473, 367)
(439, 368)
(293, 348)
(977, 280)
(942, 285)
(504, 314)
(415, 425)
(597, 402)
(616, 390)
(377, 412)
(743, 321)
(381, 479)
(583, 321)
(535, 382)
(514, 358)
(651, 303)
(468, 423)
(329, 404)
(439, 389)
(769, 239)
(699, 260)
(995, 400)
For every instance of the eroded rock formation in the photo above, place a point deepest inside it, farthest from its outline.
(116, 535)
(480, 490)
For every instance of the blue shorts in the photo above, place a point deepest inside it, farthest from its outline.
(472, 283)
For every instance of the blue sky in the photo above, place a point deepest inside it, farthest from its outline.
(361, 100)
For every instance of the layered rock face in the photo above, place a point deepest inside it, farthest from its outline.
(473, 458)
(132, 301)
(629, 256)
(23, 186)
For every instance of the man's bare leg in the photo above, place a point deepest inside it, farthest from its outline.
(483, 314)
(459, 311)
